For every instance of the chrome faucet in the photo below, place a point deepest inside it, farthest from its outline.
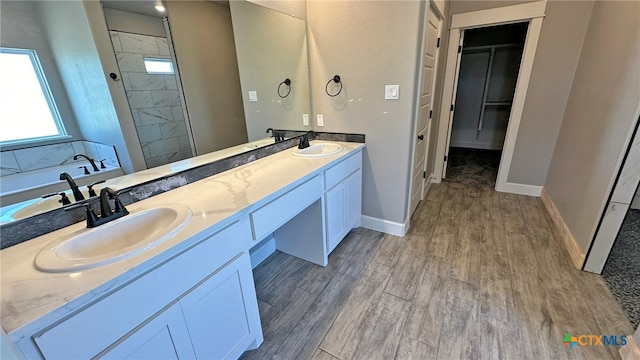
(91, 161)
(77, 195)
(304, 142)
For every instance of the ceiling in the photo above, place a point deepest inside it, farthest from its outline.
(142, 7)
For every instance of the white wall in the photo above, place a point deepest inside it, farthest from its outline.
(599, 116)
(369, 44)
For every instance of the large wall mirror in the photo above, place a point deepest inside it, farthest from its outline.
(199, 81)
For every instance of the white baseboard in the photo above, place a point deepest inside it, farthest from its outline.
(385, 226)
(568, 240)
(520, 189)
(262, 251)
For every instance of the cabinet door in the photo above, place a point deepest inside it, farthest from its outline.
(335, 215)
(163, 337)
(222, 312)
(353, 200)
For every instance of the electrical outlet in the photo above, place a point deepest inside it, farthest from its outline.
(253, 96)
(320, 120)
(305, 119)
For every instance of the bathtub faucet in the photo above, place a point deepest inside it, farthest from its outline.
(91, 161)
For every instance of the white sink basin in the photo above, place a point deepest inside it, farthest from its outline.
(318, 150)
(84, 248)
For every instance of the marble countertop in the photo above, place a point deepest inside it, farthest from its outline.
(28, 295)
(140, 177)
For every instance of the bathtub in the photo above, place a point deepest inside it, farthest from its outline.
(33, 184)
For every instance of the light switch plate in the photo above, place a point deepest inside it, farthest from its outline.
(320, 120)
(392, 92)
(305, 119)
(253, 96)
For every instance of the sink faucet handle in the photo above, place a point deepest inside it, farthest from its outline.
(64, 200)
(92, 218)
(86, 171)
(90, 187)
(102, 166)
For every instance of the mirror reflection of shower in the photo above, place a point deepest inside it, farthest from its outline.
(143, 51)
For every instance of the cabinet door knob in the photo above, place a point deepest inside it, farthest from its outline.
(421, 137)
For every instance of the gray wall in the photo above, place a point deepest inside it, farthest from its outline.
(21, 27)
(561, 37)
(599, 115)
(270, 47)
(209, 73)
(369, 44)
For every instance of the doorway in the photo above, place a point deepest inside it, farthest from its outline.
(531, 13)
(622, 269)
(489, 60)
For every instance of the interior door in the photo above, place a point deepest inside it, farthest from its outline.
(425, 113)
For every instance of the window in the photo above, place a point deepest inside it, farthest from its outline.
(158, 66)
(27, 109)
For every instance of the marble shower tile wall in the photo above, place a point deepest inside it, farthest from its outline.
(40, 157)
(154, 99)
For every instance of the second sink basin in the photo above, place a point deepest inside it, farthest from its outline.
(87, 248)
(318, 150)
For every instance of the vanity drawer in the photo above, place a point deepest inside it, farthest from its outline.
(340, 171)
(271, 216)
(93, 329)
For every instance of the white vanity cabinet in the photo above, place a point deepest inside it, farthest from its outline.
(165, 336)
(343, 199)
(200, 304)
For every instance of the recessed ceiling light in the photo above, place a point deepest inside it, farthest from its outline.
(159, 7)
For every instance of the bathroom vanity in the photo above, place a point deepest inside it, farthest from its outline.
(189, 289)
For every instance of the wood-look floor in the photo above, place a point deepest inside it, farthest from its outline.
(481, 275)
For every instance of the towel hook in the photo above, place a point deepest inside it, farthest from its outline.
(287, 83)
(335, 79)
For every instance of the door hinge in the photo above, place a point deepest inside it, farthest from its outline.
(446, 157)
(430, 113)
(438, 43)
(451, 107)
(424, 174)
(459, 49)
